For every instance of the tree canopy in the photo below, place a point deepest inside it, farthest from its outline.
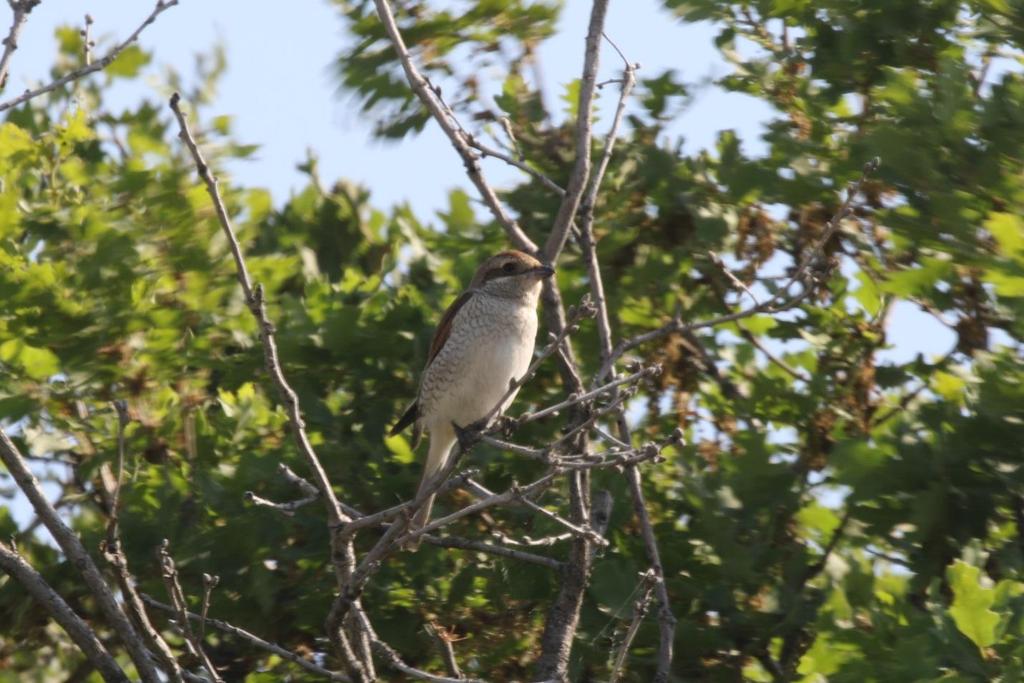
(829, 514)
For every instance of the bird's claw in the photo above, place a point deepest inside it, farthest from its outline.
(469, 435)
(506, 425)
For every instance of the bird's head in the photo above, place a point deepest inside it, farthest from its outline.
(511, 274)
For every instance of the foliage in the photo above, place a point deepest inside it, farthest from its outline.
(834, 516)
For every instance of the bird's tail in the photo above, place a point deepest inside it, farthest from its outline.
(440, 447)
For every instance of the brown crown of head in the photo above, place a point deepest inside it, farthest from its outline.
(509, 264)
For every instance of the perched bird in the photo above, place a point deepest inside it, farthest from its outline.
(483, 342)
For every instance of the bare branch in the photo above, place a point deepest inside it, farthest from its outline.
(395, 662)
(581, 169)
(113, 552)
(252, 640)
(342, 552)
(648, 581)
(491, 549)
(102, 63)
(80, 632)
(445, 118)
(169, 573)
(489, 151)
(209, 583)
(650, 371)
(444, 641)
(87, 42)
(79, 558)
(590, 198)
(574, 529)
(20, 10)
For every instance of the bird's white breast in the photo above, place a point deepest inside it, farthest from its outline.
(491, 342)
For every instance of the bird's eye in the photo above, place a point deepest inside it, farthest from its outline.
(509, 267)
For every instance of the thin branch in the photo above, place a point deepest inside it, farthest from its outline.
(445, 118)
(584, 108)
(113, 552)
(648, 581)
(590, 198)
(20, 10)
(312, 493)
(209, 583)
(738, 283)
(79, 631)
(574, 529)
(102, 63)
(87, 42)
(489, 151)
(491, 549)
(666, 620)
(169, 573)
(404, 508)
(79, 558)
(395, 662)
(444, 641)
(342, 552)
(650, 371)
(252, 640)
(512, 494)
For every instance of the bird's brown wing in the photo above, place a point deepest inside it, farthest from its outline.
(444, 328)
(441, 334)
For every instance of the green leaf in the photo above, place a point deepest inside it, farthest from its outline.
(38, 363)
(971, 603)
(129, 62)
(399, 447)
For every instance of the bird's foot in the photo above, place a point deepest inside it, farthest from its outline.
(506, 425)
(469, 435)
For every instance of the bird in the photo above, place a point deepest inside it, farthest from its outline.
(483, 343)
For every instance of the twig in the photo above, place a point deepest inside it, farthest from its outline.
(209, 583)
(87, 42)
(444, 641)
(650, 371)
(113, 552)
(649, 581)
(491, 549)
(717, 260)
(516, 493)
(531, 542)
(102, 63)
(20, 10)
(79, 558)
(590, 198)
(312, 493)
(489, 151)
(169, 573)
(666, 620)
(404, 508)
(342, 552)
(79, 631)
(253, 640)
(581, 169)
(574, 529)
(395, 662)
(446, 119)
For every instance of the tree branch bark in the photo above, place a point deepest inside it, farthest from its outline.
(80, 632)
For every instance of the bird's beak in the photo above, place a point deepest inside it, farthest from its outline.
(543, 272)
